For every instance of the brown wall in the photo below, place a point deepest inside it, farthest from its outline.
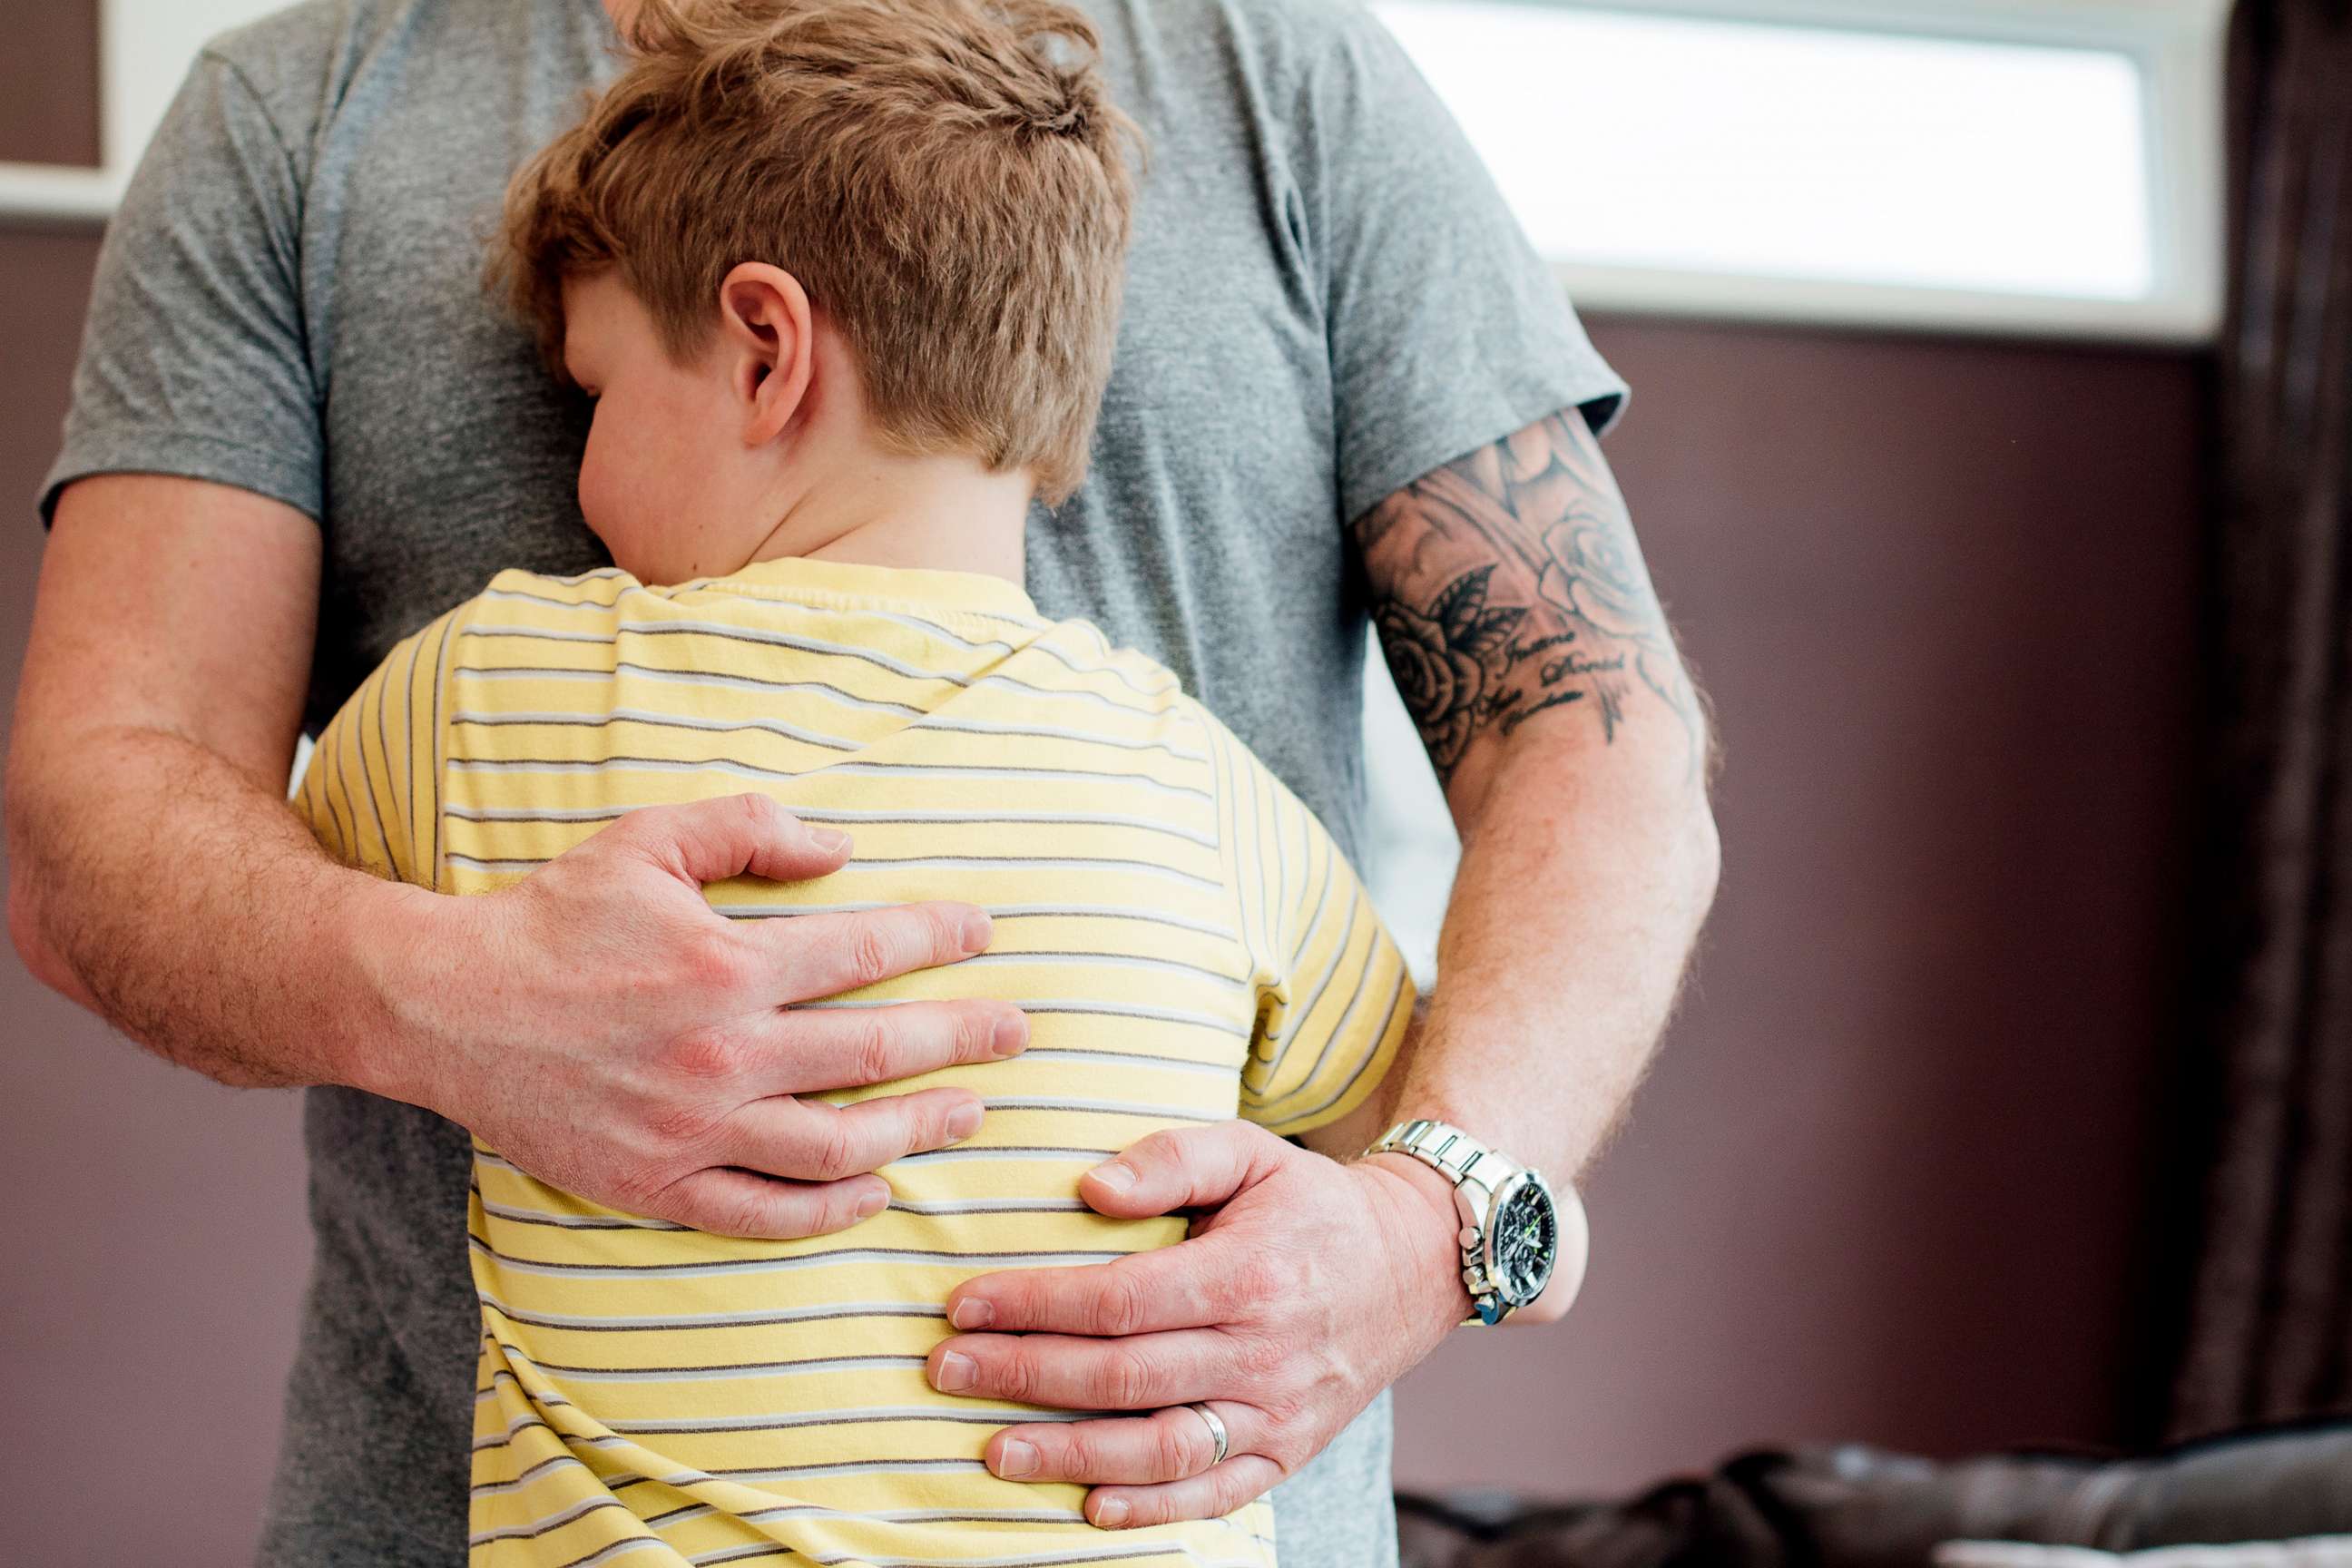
(1883, 1183)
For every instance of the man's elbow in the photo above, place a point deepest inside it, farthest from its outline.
(1675, 792)
(1668, 784)
(28, 935)
(28, 919)
(1700, 857)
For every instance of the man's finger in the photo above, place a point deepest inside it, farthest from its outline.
(1170, 1444)
(805, 958)
(1178, 1287)
(1068, 1372)
(806, 1050)
(738, 1203)
(1240, 1479)
(738, 835)
(1186, 1167)
(811, 1141)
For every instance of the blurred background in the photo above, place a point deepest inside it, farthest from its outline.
(1928, 316)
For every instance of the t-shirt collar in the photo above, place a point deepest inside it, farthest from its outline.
(834, 582)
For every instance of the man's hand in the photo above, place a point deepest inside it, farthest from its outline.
(1311, 1287)
(602, 1027)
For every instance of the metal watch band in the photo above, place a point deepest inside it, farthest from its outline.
(1450, 1149)
(1464, 1161)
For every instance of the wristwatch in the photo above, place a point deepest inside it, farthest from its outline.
(1518, 1232)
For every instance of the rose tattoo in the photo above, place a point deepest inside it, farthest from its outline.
(1444, 661)
(1593, 575)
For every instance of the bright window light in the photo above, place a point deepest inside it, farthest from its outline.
(1626, 139)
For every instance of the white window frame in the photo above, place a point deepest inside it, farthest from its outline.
(2177, 45)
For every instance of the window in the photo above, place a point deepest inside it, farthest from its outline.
(2041, 166)
(2047, 167)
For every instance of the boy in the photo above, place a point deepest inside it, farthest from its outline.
(843, 279)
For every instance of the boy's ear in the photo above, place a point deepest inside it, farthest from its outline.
(763, 322)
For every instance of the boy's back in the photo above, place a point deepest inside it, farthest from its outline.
(1187, 943)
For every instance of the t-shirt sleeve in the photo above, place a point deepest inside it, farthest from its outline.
(1448, 330)
(1334, 995)
(371, 795)
(196, 359)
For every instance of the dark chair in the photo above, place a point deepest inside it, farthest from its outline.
(1862, 1508)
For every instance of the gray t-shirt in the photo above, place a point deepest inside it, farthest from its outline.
(1326, 298)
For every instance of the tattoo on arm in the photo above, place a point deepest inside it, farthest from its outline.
(1508, 584)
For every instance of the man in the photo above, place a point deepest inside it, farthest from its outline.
(299, 431)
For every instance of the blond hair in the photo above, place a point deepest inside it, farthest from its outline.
(946, 178)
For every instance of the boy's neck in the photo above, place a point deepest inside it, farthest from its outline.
(941, 516)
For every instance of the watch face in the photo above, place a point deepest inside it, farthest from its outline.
(1524, 1239)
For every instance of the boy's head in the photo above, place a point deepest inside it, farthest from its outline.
(796, 222)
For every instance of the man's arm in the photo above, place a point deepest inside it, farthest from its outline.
(1519, 620)
(598, 1022)
(156, 725)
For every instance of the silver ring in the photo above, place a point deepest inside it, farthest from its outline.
(1216, 1432)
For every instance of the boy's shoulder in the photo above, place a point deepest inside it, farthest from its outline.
(1141, 672)
(582, 607)
(531, 605)
(600, 588)
(1084, 646)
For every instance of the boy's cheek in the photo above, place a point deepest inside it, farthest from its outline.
(598, 503)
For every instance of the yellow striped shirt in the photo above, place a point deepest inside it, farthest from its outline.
(1187, 942)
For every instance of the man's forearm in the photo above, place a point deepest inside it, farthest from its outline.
(181, 900)
(157, 873)
(1580, 892)
(1584, 880)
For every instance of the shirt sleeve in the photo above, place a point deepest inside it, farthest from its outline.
(371, 795)
(196, 358)
(1334, 993)
(1448, 330)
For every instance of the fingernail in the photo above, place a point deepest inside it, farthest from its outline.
(831, 840)
(1111, 1513)
(956, 1373)
(1116, 1174)
(964, 1122)
(1012, 1035)
(969, 1313)
(977, 928)
(1016, 1459)
(872, 1204)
